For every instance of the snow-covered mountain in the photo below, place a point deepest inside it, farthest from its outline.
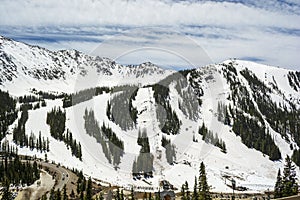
(241, 118)
(24, 66)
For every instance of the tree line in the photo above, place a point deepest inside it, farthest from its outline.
(112, 146)
(39, 143)
(209, 137)
(223, 114)
(247, 122)
(282, 119)
(189, 103)
(169, 121)
(56, 119)
(8, 113)
(294, 79)
(200, 189)
(24, 140)
(143, 164)
(170, 150)
(256, 136)
(83, 95)
(296, 157)
(286, 183)
(14, 171)
(120, 109)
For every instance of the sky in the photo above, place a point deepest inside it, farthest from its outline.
(170, 33)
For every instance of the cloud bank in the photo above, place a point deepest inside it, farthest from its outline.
(267, 32)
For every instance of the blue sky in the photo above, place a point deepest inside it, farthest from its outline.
(169, 33)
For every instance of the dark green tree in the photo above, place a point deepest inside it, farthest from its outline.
(117, 196)
(183, 193)
(58, 195)
(6, 194)
(290, 186)
(65, 196)
(278, 186)
(157, 195)
(52, 194)
(187, 190)
(150, 196)
(195, 192)
(132, 194)
(122, 195)
(204, 193)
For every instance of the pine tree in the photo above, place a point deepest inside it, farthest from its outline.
(52, 194)
(65, 196)
(290, 186)
(122, 195)
(278, 186)
(58, 195)
(204, 193)
(186, 185)
(183, 194)
(81, 197)
(40, 141)
(132, 194)
(157, 195)
(6, 193)
(47, 144)
(117, 197)
(150, 196)
(195, 192)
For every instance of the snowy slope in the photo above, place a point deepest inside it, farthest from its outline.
(23, 67)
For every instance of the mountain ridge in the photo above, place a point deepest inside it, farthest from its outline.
(35, 63)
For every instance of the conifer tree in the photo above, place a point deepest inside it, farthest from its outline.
(286, 184)
(6, 194)
(157, 196)
(65, 196)
(117, 197)
(290, 186)
(122, 195)
(204, 193)
(150, 196)
(278, 186)
(58, 195)
(187, 192)
(183, 194)
(195, 192)
(132, 194)
(52, 194)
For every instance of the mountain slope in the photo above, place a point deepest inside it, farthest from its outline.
(241, 118)
(24, 66)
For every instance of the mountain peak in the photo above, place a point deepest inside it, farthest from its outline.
(22, 63)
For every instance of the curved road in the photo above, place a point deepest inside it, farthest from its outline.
(63, 175)
(62, 178)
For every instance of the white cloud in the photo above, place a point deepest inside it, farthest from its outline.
(268, 32)
(139, 13)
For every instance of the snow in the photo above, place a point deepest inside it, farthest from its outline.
(249, 167)
(74, 73)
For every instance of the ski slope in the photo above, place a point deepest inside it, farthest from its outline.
(249, 167)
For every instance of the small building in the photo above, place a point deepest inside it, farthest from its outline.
(168, 191)
(166, 185)
(166, 195)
